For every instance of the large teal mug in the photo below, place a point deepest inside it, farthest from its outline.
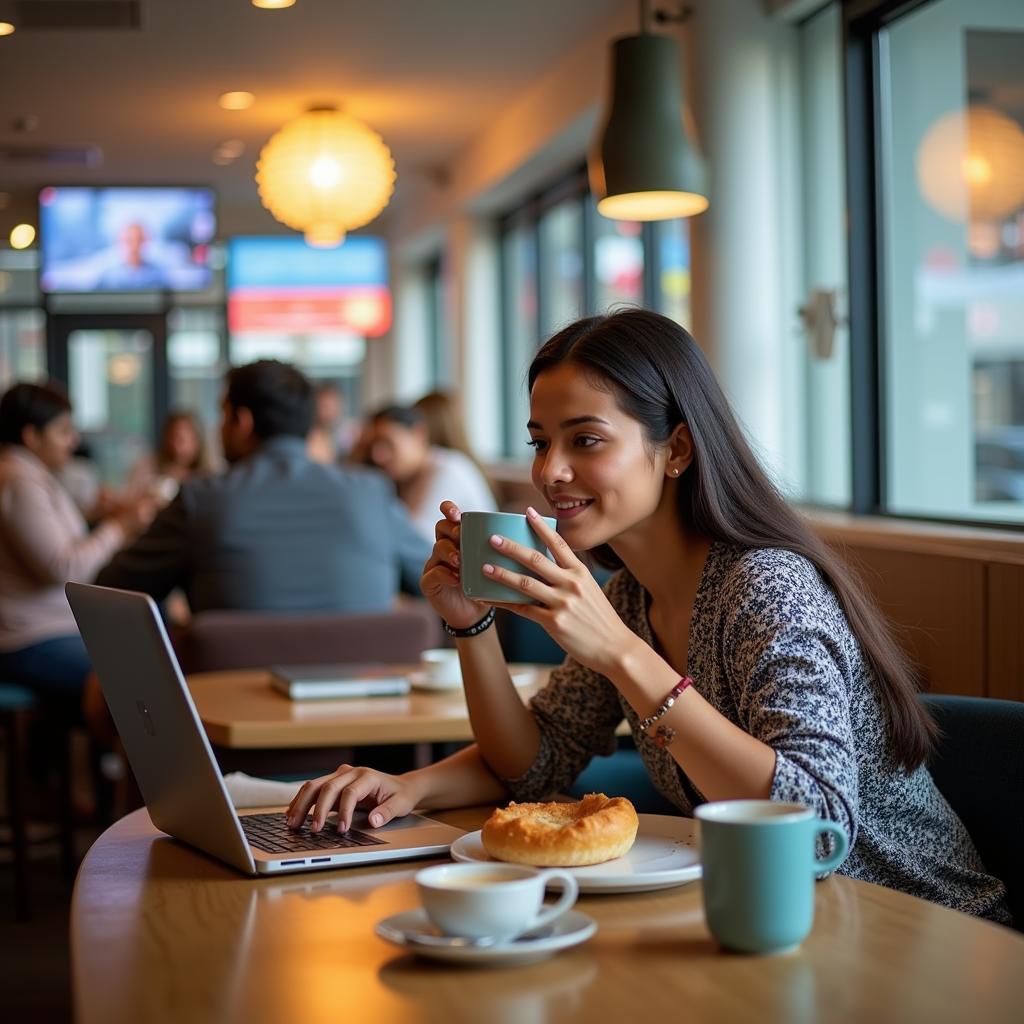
(759, 866)
(475, 532)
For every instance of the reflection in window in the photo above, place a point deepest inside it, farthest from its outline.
(672, 238)
(953, 195)
(22, 346)
(196, 365)
(618, 263)
(520, 329)
(561, 256)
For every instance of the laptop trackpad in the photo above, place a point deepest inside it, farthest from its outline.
(361, 821)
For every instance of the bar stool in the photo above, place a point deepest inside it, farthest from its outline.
(17, 706)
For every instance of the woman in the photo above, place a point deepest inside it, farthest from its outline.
(180, 455)
(397, 441)
(745, 658)
(45, 543)
(445, 428)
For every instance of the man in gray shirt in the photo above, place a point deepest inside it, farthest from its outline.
(277, 532)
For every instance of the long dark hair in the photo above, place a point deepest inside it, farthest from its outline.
(660, 377)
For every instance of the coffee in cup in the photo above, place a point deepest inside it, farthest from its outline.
(492, 900)
(759, 865)
(475, 550)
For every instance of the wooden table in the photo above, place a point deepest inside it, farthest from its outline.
(240, 710)
(161, 933)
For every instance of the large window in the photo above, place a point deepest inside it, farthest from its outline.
(561, 260)
(950, 271)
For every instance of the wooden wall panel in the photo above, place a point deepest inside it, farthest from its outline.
(938, 605)
(1005, 636)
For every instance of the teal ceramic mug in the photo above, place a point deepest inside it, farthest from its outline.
(759, 866)
(476, 530)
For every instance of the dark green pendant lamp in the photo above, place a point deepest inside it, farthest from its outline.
(642, 166)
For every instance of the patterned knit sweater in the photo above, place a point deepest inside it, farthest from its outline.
(771, 650)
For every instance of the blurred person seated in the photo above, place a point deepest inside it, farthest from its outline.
(45, 544)
(331, 438)
(181, 454)
(445, 426)
(397, 440)
(277, 532)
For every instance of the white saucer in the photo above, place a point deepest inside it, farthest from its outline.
(419, 680)
(665, 854)
(570, 929)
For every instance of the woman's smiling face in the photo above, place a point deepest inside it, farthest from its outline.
(592, 462)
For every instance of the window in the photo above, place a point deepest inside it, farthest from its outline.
(440, 336)
(951, 260)
(561, 260)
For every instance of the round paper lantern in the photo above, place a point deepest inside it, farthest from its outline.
(325, 173)
(970, 165)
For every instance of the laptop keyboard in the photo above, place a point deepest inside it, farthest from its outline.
(270, 833)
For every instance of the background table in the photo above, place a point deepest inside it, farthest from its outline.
(240, 710)
(162, 933)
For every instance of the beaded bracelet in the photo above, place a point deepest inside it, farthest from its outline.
(672, 697)
(478, 627)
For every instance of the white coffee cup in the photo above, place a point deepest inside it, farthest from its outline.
(440, 665)
(492, 900)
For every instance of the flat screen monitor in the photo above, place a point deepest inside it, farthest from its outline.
(122, 239)
(280, 284)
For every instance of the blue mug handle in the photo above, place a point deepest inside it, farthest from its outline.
(842, 845)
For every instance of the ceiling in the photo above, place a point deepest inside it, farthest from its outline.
(427, 74)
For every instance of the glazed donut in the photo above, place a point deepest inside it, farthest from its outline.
(588, 831)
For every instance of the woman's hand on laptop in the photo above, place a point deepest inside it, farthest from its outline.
(386, 797)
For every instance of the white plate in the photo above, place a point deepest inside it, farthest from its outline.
(665, 854)
(421, 681)
(570, 929)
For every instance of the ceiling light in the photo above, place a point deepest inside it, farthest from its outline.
(970, 165)
(237, 100)
(272, 5)
(22, 236)
(642, 165)
(324, 174)
(229, 151)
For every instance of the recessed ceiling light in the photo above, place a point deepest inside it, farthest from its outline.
(6, 28)
(22, 236)
(233, 148)
(237, 100)
(272, 5)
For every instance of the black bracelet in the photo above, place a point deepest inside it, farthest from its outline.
(478, 627)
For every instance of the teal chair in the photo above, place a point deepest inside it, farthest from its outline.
(623, 774)
(978, 766)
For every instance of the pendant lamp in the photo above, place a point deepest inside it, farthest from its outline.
(324, 174)
(642, 166)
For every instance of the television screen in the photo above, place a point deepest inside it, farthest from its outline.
(280, 284)
(111, 239)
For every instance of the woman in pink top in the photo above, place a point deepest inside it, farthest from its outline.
(44, 543)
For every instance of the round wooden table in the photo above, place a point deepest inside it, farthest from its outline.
(161, 933)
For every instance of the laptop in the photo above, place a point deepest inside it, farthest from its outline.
(175, 767)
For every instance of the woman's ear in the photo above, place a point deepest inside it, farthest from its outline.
(680, 451)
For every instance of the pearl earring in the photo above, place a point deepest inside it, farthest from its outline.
(675, 472)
